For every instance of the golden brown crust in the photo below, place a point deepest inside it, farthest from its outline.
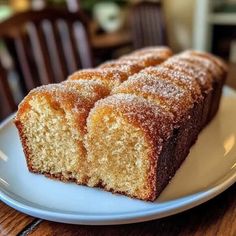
(23, 139)
(151, 197)
(59, 97)
(178, 78)
(155, 122)
(110, 77)
(93, 90)
(67, 96)
(218, 61)
(179, 84)
(202, 76)
(163, 52)
(170, 96)
(143, 61)
(127, 67)
(203, 63)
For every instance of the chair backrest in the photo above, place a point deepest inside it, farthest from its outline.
(147, 24)
(7, 103)
(47, 45)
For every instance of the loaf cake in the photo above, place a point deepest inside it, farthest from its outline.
(125, 126)
(113, 73)
(131, 126)
(52, 123)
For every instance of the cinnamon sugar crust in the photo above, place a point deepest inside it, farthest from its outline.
(202, 76)
(129, 67)
(110, 77)
(146, 122)
(161, 51)
(143, 60)
(205, 63)
(219, 62)
(163, 92)
(177, 77)
(130, 142)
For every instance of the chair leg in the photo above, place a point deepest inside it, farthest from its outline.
(7, 103)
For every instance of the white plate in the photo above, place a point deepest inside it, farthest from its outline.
(209, 170)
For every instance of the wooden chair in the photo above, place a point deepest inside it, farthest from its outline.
(7, 103)
(47, 45)
(72, 5)
(147, 24)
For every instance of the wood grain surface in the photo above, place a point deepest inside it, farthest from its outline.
(216, 217)
(231, 80)
(11, 221)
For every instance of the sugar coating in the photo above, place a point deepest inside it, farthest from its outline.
(129, 67)
(111, 77)
(76, 97)
(209, 65)
(145, 60)
(165, 93)
(83, 90)
(163, 52)
(218, 61)
(177, 77)
(201, 75)
(152, 118)
(124, 141)
(87, 89)
(82, 133)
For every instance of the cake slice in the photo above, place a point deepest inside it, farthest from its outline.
(51, 121)
(110, 77)
(149, 56)
(143, 61)
(216, 60)
(125, 126)
(114, 72)
(162, 51)
(201, 75)
(172, 97)
(129, 67)
(129, 145)
(188, 83)
(217, 68)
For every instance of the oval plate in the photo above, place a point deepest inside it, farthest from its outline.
(209, 169)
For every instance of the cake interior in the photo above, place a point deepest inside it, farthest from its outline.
(118, 155)
(55, 146)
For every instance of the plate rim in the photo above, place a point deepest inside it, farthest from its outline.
(189, 201)
(122, 218)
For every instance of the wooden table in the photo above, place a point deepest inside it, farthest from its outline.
(111, 40)
(104, 41)
(215, 217)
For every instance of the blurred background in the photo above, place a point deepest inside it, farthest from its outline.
(43, 41)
